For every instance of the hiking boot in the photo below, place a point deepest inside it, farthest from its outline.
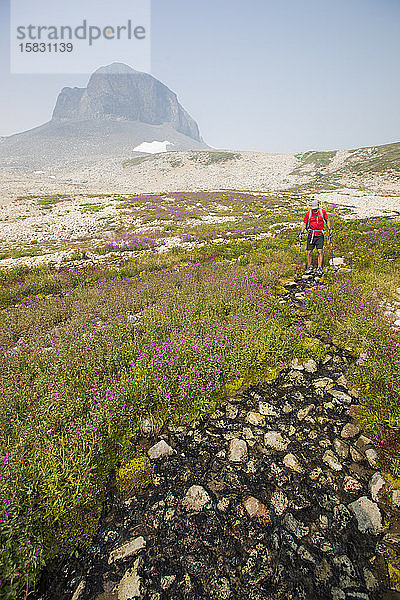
(308, 271)
(319, 271)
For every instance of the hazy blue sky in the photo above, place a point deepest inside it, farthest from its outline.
(272, 76)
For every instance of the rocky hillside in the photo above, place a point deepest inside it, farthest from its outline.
(365, 177)
(118, 110)
(119, 92)
(369, 161)
(319, 169)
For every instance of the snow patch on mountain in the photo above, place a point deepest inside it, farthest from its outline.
(153, 147)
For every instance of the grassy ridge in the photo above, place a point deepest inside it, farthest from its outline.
(90, 352)
(381, 159)
(373, 160)
(204, 157)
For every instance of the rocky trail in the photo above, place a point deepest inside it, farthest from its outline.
(271, 497)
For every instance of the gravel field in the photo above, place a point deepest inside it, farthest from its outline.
(25, 219)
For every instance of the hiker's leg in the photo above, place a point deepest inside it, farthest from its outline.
(310, 247)
(320, 256)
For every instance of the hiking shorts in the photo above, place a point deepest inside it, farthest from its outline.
(318, 242)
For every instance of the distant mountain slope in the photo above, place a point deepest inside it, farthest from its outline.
(66, 143)
(376, 159)
(371, 160)
(306, 172)
(121, 93)
(354, 177)
(118, 110)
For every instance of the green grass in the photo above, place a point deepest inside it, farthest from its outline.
(20, 253)
(381, 159)
(92, 208)
(176, 163)
(47, 202)
(319, 159)
(89, 352)
(29, 250)
(204, 157)
(213, 157)
(133, 162)
(369, 160)
(70, 413)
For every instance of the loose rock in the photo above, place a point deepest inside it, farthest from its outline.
(293, 463)
(376, 483)
(231, 412)
(367, 514)
(322, 382)
(237, 450)
(255, 508)
(129, 586)
(279, 502)
(79, 591)
(372, 457)
(396, 498)
(304, 412)
(332, 460)
(340, 396)
(296, 364)
(128, 549)
(160, 450)
(351, 485)
(275, 440)
(341, 449)
(255, 419)
(167, 581)
(196, 499)
(310, 366)
(350, 430)
(267, 409)
(299, 529)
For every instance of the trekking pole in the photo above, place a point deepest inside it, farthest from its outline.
(330, 239)
(298, 257)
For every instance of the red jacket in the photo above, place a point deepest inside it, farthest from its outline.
(316, 221)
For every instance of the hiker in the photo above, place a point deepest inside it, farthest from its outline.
(314, 222)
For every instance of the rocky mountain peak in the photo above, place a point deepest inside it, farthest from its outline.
(116, 68)
(118, 92)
